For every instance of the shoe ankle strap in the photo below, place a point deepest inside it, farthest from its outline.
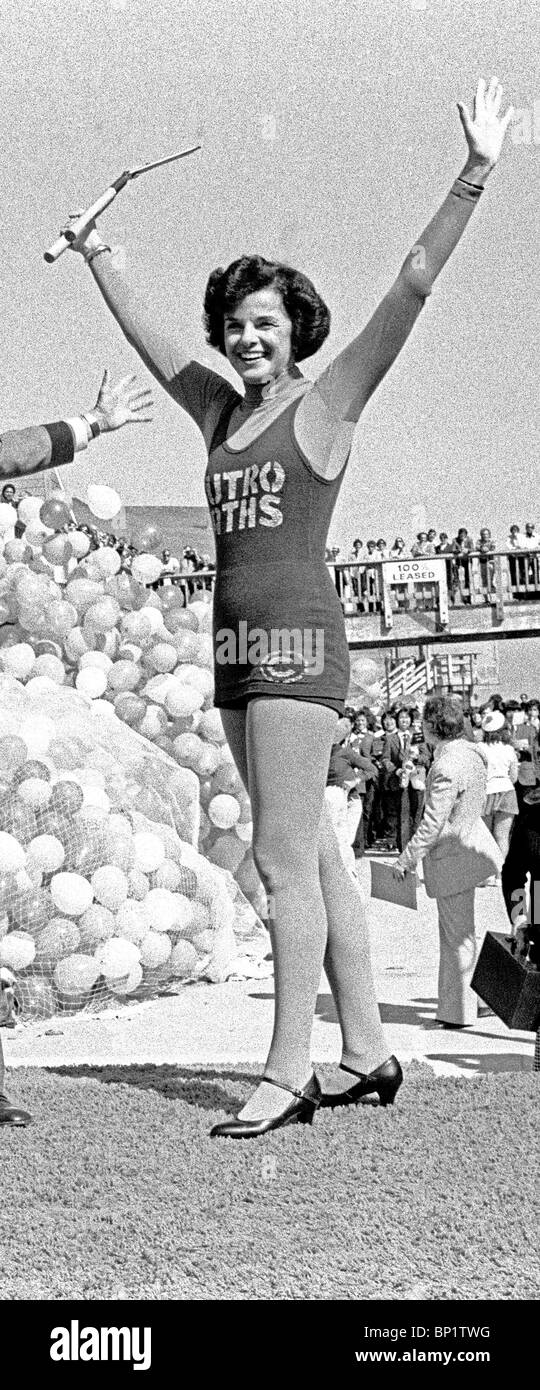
(300, 1095)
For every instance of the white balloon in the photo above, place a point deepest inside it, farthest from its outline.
(38, 730)
(71, 893)
(12, 854)
(8, 517)
(91, 681)
(29, 509)
(80, 544)
(104, 502)
(18, 660)
(146, 568)
(95, 658)
(224, 811)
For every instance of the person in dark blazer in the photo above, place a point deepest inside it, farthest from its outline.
(402, 756)
(31, 450)
(365, 742)
(457, 850)
(525, 740)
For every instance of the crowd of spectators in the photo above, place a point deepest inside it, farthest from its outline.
(380, 761)
(521, 546)
(174, 569)
(430, 543)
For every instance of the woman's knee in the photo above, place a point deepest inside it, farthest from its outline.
(281, 859)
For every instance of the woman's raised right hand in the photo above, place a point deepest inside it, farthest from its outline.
(89, 240)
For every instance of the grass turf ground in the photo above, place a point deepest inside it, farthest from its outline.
(116, 1191)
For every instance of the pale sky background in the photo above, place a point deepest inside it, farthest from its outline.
(331, 135)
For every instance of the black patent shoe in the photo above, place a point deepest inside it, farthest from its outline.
(300, 1112)
(378, 1087)
(11, 1114)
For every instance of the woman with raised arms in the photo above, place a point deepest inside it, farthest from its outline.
(278, 447)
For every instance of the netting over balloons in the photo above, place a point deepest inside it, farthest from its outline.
(102, 892)
(139, 656)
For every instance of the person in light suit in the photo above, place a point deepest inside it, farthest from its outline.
(458, 852)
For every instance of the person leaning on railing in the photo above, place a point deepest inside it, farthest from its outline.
(371, 574)
(461, 573)
(518, 568)
(355, 555)
(531, 543)
(485, 548)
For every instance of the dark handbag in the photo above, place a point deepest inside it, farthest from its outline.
(508, 983)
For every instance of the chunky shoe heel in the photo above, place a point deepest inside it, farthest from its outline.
(384, 1082)
(301, 1111)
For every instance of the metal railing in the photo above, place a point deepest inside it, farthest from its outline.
(198, 582)
(472, 580)
(412, 677)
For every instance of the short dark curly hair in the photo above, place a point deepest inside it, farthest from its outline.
(444, 716)
(309, 315)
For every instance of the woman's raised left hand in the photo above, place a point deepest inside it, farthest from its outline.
(485, 129)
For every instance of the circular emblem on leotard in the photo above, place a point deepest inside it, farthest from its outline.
(282, 668)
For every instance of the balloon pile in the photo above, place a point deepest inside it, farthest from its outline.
(74, 617)
(100, 897)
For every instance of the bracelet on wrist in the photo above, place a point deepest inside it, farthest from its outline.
(93, 425)
(469, 184)
(469, 192)
(97, 252)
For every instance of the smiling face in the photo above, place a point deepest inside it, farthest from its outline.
(257, 336)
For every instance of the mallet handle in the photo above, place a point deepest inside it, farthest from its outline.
(71, 233)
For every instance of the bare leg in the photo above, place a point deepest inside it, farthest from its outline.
(288, 746)
(502, 827)
(281, 749)
(348, 959)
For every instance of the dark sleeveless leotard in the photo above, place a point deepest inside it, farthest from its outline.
(271, 513)
(271, 510)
